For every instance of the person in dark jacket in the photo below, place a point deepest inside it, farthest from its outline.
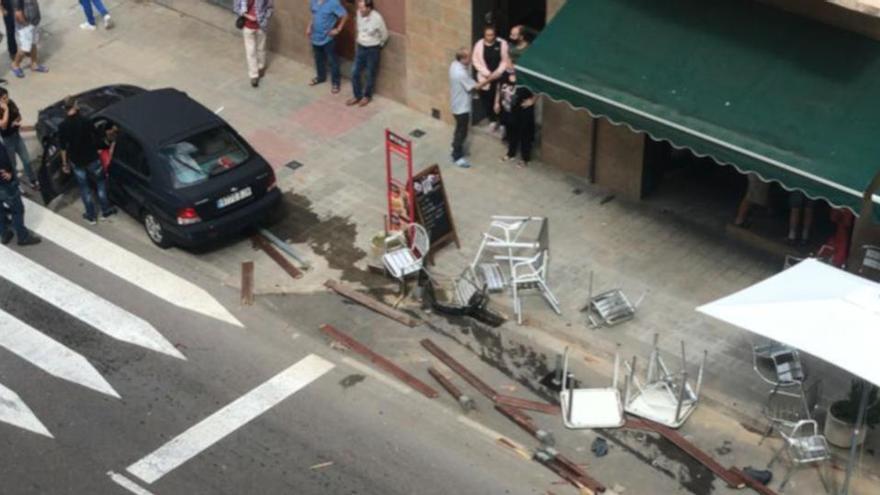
(9, 21)
(79, 154)
(11, 206)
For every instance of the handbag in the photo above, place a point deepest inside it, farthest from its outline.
(239, 22)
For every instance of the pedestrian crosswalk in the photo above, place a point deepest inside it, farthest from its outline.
(30, 341)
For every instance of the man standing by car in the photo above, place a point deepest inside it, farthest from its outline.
(256, 15)
(10, 124)
(328, 18)
(27, 35)
(79, 152)
(10, 198)
(371, 37)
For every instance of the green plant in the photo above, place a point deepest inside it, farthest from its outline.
(848, 409)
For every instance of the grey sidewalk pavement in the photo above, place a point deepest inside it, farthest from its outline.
(336, 200)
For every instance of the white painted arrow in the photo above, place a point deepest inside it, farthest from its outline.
(48, 355)
(125, 264)
(83, 305)
(14, 411)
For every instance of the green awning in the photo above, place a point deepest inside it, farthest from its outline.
(786, 97)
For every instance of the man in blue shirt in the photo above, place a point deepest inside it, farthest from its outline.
(328, 18)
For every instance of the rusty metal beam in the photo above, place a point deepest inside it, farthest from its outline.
(464, 401)
(525, 422)
(369, 302)
(247, 283)
(529, 405)
(285, 264)
(459, 368)
(380, 361)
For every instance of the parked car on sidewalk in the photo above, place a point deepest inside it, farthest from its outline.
(177, 167)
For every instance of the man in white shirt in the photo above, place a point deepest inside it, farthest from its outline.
(461, 87)
(371, 37)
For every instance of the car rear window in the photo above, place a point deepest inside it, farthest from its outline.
(202, 156)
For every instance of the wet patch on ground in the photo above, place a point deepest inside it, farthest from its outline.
(333, 238)
(351, 380)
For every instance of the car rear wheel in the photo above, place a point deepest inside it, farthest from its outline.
(155, 231)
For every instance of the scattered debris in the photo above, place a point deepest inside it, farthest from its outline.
(519, 449)
(568, 470)
(293, 165)
(369, 302)
(287, 248)
(464, 401)
(417, 133)
(247, 283)
(525, 422)
(321, 465)
(530, 405)
(457, 367)
(263, 244)
(352, 380)
(381, 362)
(599, 447)
(751, 482)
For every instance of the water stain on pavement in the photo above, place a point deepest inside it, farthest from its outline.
(351, 380)
(333, 238)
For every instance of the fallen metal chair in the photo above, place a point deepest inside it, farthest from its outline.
(609, 308)
(405, 254)
(804, 445)
(591, 407)
(504, 234)
(778, 364)
(666, 398)
(531, 272)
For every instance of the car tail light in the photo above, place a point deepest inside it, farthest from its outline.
(187, 216)
(272, 182)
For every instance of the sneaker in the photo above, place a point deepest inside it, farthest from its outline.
(108, 22)
(109, 213)
(18, 71)
(463, 163)
(6, 237)
(90, 220)
(87, 27)
(255, 82)
(30, 240)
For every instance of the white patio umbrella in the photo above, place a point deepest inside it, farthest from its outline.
(819, 309)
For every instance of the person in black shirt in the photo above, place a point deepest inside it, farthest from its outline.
(11, 205)
(517, 104)
(79, 153)
(10, 123)
(9, 21)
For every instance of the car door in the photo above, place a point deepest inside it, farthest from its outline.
(129, 174)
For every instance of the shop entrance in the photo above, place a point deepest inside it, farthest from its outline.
(503, 15)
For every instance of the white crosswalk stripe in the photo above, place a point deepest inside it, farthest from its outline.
(49, 355)
(122, 263)
(84, 305)
(14, 411)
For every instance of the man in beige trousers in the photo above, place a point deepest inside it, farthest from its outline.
(256, 14)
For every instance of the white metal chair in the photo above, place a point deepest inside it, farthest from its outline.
(504, 234)
(804, 445)
(405, 253)
(871, 261)
(784, 409)
(778, 364)
(531, 272)
(591, 407)
(666, 398)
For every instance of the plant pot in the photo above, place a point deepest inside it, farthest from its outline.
(839, 432)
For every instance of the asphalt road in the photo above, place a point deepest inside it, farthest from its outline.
(343, 431)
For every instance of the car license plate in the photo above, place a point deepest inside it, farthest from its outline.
(234, 197)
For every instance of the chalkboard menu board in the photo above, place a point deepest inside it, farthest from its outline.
(432, 207)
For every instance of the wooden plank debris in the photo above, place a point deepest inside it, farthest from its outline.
(459, 368)
(529, 405)
(371, 303)
(464, 401)
(380, 361)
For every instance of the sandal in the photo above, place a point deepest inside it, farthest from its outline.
(19, 73)
(40, 68)
(335, 89)
(504, 158)
(315, 81)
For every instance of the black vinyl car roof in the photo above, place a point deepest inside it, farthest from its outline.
(159, 116)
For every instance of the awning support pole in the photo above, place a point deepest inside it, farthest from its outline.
(863, 407)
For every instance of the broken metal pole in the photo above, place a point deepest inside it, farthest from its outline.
(276, 256)
(464, 401)
(459, 368)
(380, 361)
(287, 248)
(529, 405)
(247, 283)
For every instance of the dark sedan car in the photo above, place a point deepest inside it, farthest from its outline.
(177, 167)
